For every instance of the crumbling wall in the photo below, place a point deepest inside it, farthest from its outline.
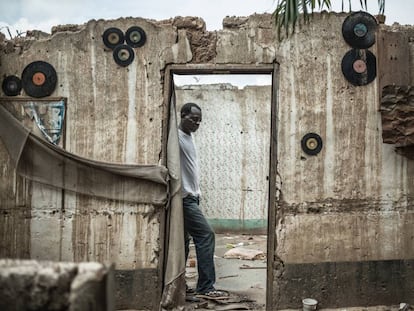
(113, 114)
(343, 225)
(33, 285)
(344, 215)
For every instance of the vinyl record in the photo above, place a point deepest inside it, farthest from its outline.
(123, 55)
(359, 67)
(358, 30)
(135, 36)
(12, 86)
(113, 37)
(39, 79)
(311, 143)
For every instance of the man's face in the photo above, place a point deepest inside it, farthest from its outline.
(191, 122)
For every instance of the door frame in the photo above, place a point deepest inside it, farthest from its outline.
(248, 69)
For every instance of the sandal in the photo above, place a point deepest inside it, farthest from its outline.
(214, 294)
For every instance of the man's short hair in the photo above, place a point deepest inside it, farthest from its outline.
(186, 108)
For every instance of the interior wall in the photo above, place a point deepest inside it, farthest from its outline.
(233, 147)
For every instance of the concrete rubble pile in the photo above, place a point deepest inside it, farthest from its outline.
(34, 285)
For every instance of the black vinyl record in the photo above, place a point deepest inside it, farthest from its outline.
(123, 55)
(358, 30)
(135, 36)
(113, 37)
(311, 143)
(359, 67)
(12, 86)
(39, 79)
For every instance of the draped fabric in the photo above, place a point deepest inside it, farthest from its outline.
(43, 162)
(173, 297)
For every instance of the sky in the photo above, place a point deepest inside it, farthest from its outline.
(22, 15)
(18, 16)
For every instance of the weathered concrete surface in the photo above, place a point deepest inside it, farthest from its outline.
(233, 146)
(113, 114)
(350, 204)
(397, 115)
(359, 186)
(33, 285)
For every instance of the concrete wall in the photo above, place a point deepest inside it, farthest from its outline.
(233, 146)
(113, 114)
(345, 216)
(343, 219)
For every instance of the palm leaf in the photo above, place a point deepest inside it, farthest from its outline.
(287, 12)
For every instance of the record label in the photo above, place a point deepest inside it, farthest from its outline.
(359, 67)
(311, 143)
(123, 55)
(135, 36)
(39, 79)
(358, 30)
(113, 37)
(12, 85)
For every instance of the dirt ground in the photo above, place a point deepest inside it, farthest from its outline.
(243, 279)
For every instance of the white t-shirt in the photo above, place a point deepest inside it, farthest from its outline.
(190, 173)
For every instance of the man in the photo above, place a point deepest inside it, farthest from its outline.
(195, 224)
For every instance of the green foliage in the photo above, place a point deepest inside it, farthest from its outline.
(287, 12)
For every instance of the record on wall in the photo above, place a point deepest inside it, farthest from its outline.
(359, 67)
(39, 79)
(11, 85)
(135, 36)
(358, 30)
(311, 143)
(113, 37)
(123, 55)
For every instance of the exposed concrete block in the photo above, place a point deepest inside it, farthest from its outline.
(33, 285)
(397, 107)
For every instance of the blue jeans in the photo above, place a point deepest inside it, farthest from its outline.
(196, 226)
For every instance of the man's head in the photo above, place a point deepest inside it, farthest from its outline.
(190, 118)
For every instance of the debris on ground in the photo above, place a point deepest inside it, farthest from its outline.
(404, 307)
(228, 301)
(244, 253)
(244, 266)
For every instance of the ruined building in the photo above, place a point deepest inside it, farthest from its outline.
(101, 183)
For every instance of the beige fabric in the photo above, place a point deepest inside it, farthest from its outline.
(173, 297)
(41, 161)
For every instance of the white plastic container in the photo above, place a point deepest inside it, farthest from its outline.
(309, 304)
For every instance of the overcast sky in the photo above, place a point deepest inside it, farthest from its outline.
(23, 15)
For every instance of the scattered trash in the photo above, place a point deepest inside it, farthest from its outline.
(230, 245)
(190, 275)
(201, 305)
(404, 307)
(309, 304)
(192, 262)
(192, 298)
(258, 286)
(233, 306)
(244, 266)
(229, 276)
(244, 253)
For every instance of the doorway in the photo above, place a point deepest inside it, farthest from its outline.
(235, 144)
